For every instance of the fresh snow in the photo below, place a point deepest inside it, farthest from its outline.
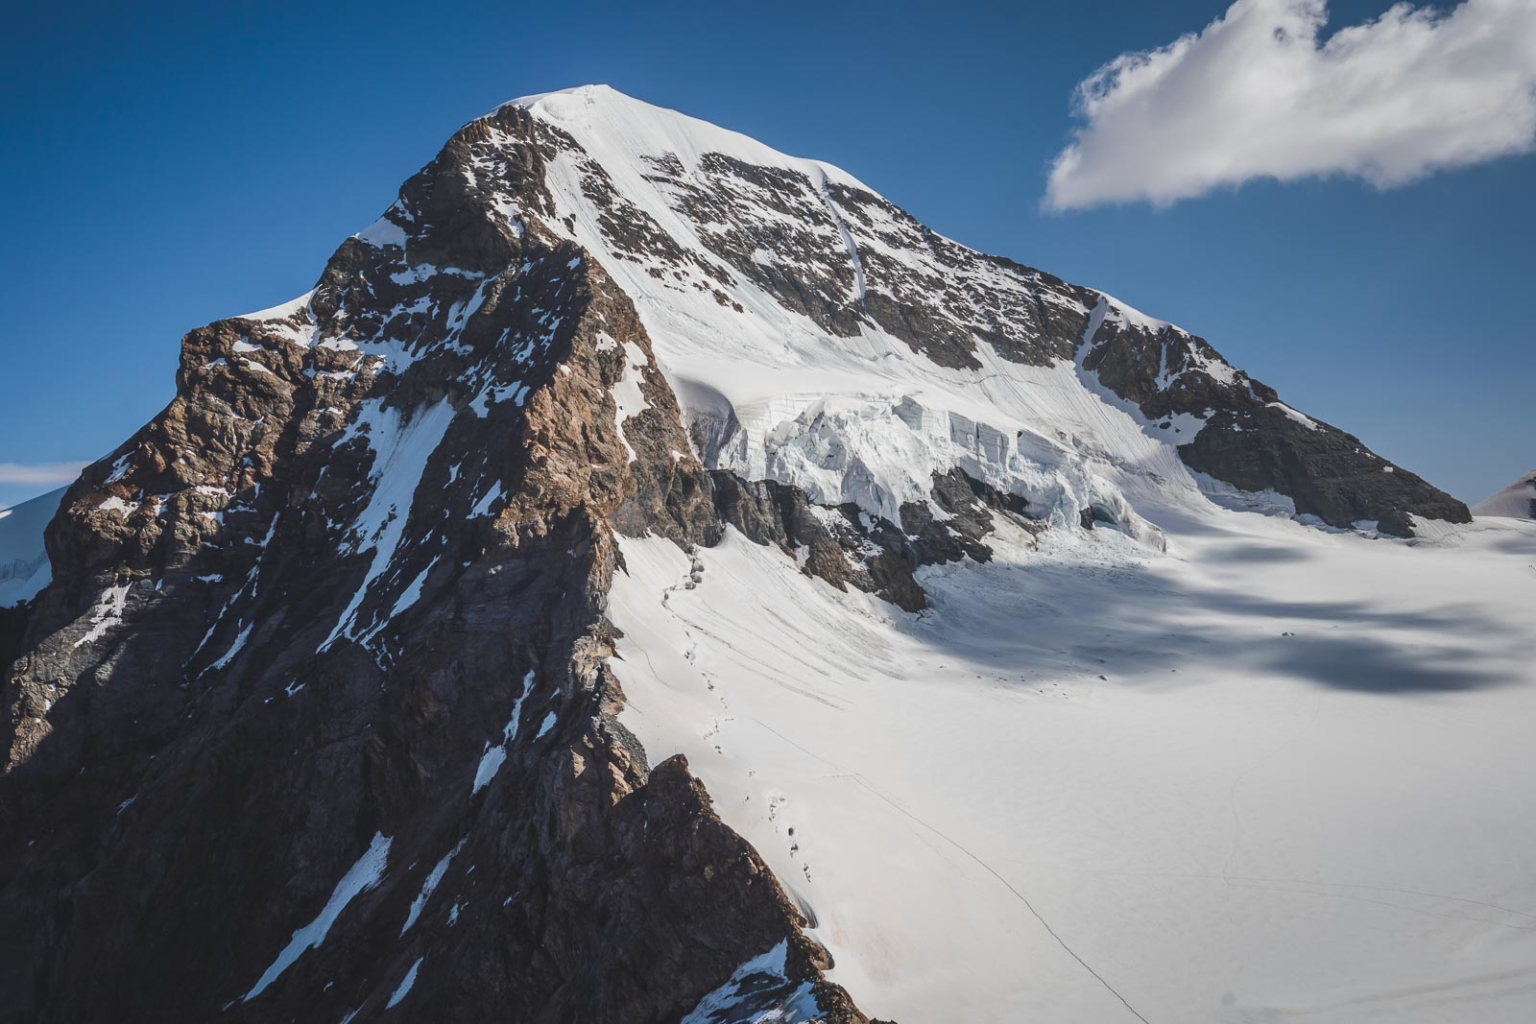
(1216, 765)
(483, 506)
(1274, 773)
(1213, 765)
(412, 592)
(491, 760)
(1130, 316)
(361, 877)
(627, 396)
(281, 311)
(383, 232)
(234, 648)
(118, 505)
(1299, 417)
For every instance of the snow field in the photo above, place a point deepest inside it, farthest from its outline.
(1275, 774)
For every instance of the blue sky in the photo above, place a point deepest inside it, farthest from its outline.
(169, 164)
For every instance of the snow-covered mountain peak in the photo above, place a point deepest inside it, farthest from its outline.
(819, 336)
(1517, 501)
(617, 128)
(620, 437)
(781, 294)
(24, 568)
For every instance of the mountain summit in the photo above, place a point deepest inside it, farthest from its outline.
(385, 674)
(1518, 500)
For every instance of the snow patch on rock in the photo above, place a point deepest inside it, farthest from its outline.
(361, 877)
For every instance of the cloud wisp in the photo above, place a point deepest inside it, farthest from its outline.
(1259, 94)
(44, 474)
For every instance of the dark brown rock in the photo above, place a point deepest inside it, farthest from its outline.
(222, 701)
(1251, 440)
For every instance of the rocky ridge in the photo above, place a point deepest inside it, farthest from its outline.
(318, 716)
(334, 601)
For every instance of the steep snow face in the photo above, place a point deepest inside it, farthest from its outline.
(1517, 501)
(24, 568)
(790, 309)
(819, 336)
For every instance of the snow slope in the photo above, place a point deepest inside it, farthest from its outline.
(862, 419)
(1517, 501)
(1273, 774)
(24, 568)
(1267, 773)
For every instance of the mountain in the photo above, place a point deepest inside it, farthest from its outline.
(1518, 500)
(24, 568)
(653, 578)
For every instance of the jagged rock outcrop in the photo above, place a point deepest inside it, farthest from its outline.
(847, 547)
(316, 719)
(1247, 437)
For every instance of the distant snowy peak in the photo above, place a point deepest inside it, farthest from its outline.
(1517, 501)
(24, 568)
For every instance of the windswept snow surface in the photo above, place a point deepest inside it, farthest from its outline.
(281, 311)
(1271, 774)
(24, 566)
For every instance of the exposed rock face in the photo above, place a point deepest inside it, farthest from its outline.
(847, 547)
(1249, 438)
(316, 716)
(337, 611)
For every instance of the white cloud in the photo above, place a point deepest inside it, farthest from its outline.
(1256, 95)
(48, 474)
